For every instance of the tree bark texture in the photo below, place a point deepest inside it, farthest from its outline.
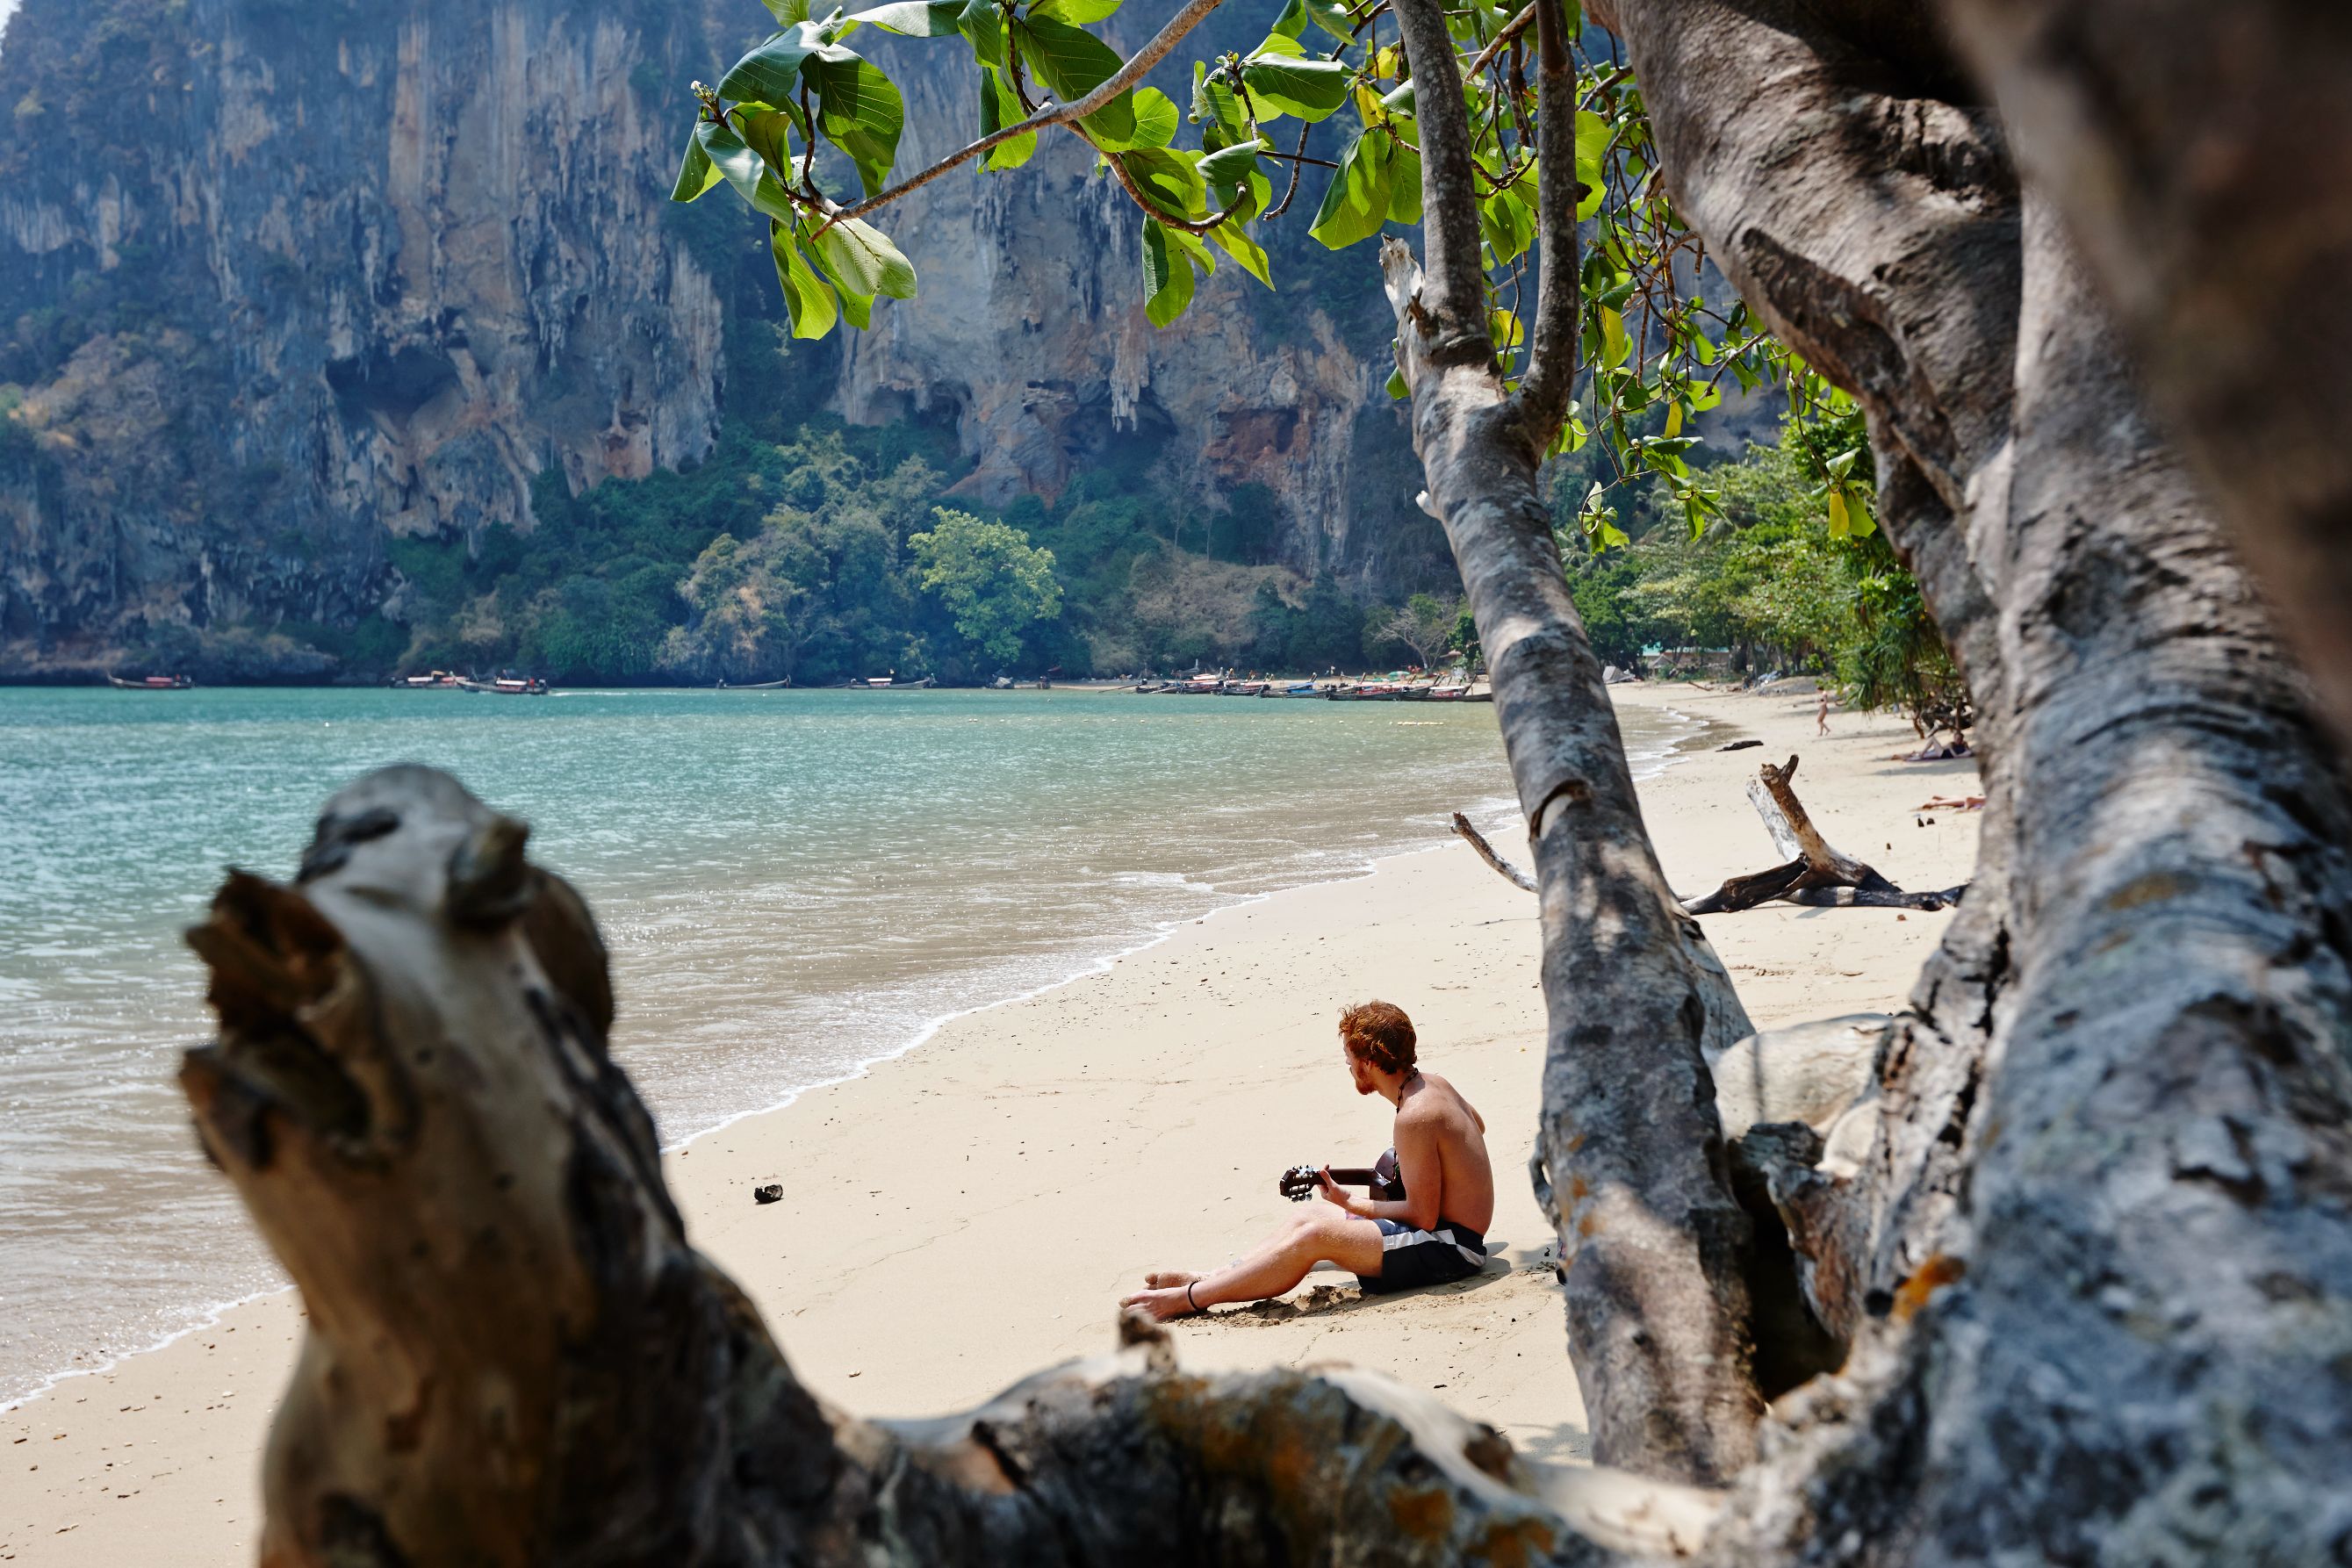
(2106, 1219)
(2202, 156)
(512, 1356)
(1654, 1244)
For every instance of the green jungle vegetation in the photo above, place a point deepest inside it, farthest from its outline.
(835, 553)
(1778, 581)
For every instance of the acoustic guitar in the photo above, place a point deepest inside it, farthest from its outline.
(1386, 1182)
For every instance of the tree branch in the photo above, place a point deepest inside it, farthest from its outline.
(1501, 41)
(1297, 167)
(1552, 356)
(1126, 77)
(1452, 289)
(1652, 1246)
(1477, 840)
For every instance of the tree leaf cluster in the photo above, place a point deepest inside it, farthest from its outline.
(1767, 585)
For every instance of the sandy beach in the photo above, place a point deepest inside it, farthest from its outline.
(973, 1210)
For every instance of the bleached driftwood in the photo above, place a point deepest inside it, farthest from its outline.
(1477, 840)
(1813, 873)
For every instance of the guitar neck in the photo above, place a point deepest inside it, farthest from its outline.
(1354, 1176)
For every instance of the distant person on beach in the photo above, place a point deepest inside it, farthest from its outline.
(1821, 714)
(1437, 1232)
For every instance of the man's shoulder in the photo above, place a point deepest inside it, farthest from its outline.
(1440, 1102)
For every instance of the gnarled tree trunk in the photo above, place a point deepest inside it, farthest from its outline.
(2202, 156)
(2108, 1216)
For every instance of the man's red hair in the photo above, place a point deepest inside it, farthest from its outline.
(1381, 1034)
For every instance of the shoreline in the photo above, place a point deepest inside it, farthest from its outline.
(1115, 1121)
(211, 1315)
(840, 997)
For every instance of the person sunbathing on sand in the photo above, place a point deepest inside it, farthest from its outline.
(1437, 1233)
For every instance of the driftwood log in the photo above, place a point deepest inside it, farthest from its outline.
(1814, 874)
(513, 1356)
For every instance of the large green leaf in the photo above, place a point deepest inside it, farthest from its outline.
(983, 26)
(1311, 89)
(744, 170)
(763, 131)
(771, 73)
(861, 259)
(1615, 346)
(1331, 15)
(1507, 223)
(787, 12)
(807, 299)
(859, 109)
(1228, 165)
(1077, 11)
(1404, 180)
(1072, 63)
(1167, 274)
(1156, 118)
(1235, 242)
(1591, 151)
(1169, 179)
(1362, 193)
(999, 109)
(917, 19)
(696, 173)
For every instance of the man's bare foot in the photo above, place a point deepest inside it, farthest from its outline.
(1161, 1304)
(1171, 1280)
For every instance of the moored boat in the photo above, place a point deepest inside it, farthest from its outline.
(887, 683)
(151, 683)
(726, 685)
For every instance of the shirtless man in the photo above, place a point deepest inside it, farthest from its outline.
(1437, 1233)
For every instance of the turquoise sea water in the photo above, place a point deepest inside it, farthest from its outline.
(794, 884)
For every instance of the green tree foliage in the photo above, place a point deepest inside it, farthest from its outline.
(1769, 583)
(993, 581)
(1425, 624)
(1657, 351)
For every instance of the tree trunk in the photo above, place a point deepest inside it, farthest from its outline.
(512, 1356)
(2202, 157)
(1653, 1245)
(2108, 1218)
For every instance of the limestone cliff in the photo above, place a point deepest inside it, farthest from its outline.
(1029, 329)
(281, 281)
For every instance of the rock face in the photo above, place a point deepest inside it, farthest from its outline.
(358, 271)
(282, 280)
(1029, 328)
